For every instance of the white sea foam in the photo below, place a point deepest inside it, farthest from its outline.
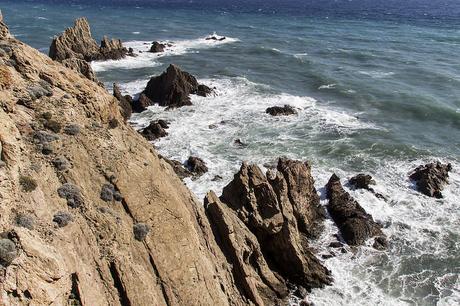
(418, 227)
(328, 86)
(377, 74)
(147, 59)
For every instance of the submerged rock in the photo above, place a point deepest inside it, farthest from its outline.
(354, 223)
(285, 110)
(174, 87)
(431, 178)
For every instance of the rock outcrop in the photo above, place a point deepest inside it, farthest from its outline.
(77, 42)
(277, 212)
(285, 110)
(430, 179)
(174, 87)
(156, 129)
(355, 224)
(364, 181)
(81, 249)
(141, 103)
(196, 165)
(82, 67)
(126, 102)
(157, 47)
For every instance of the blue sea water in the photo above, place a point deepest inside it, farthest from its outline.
(377, 85)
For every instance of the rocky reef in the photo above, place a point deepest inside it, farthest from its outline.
(430, 179)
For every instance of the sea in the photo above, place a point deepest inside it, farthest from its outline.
(377, 89)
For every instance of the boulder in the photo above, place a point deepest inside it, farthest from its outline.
(124, 101)
(196, 165)
(285, 110)
(282, 210)
(178, 168)
(155, 130)
(355, 224)
(431, 178)
(157, 47)
(364, 181)
(173, 88)
(77, 42)
(141, 103)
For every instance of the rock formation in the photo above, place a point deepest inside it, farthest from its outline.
(285, 110)
(196, 165)
(157, 47)
(354, 223)
(174, 87)
(125, 102)
(81, 249)
(276, 213)
(77, 42)
(156, 129)
(364, 181)
(141, 103)
(431, 178)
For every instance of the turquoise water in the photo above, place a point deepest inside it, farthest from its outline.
(377, 88)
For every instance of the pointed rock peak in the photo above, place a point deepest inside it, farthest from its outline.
(334, 179)
(4, 32)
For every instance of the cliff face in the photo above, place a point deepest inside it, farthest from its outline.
(63, 140)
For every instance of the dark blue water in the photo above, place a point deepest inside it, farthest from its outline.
(377, 85)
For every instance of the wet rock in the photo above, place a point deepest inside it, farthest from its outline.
(140, 231)
(141, 104)
(196, 165)
(203, 90)
(239, 143)
(173, 88)
(215, 38)
(157, 47)
(335, 244)
(8, 252)
(155, 130)
(281, 210)
(430, 179)
(77, 42)
(354, 223)
(62, 219)
(72, 194)
(285, 110)
(124, 101)
(380, 243)
(362, 181)
(217, 178)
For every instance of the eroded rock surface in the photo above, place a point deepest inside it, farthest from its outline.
(430, 179)
(281, 209)
(174, 87)
(355, 224)
(285, 110)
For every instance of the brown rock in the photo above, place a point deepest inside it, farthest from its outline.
(178, 168)
(431, 178)
(142, 103)
(354, 223)
(270, 208)
(80, 66)
(173, 88)
(285, 110)
(124, 101)
(155, 130)
(77, 42)
(196, 165)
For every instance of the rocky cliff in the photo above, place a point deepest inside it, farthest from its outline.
(89, 214)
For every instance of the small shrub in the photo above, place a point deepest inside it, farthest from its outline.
(53, 125)
(47, 116)
(113, 123)
(8, 252)
(72, 129)
(28, 183)
(44, 137)
(117, 196)
(72, 194)
(62, 218)
(107, 192)
(61, 163)
(140, 231)
(25, 221)
(47, 149)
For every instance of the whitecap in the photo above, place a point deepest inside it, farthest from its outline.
(328, 86)
(377, 74)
